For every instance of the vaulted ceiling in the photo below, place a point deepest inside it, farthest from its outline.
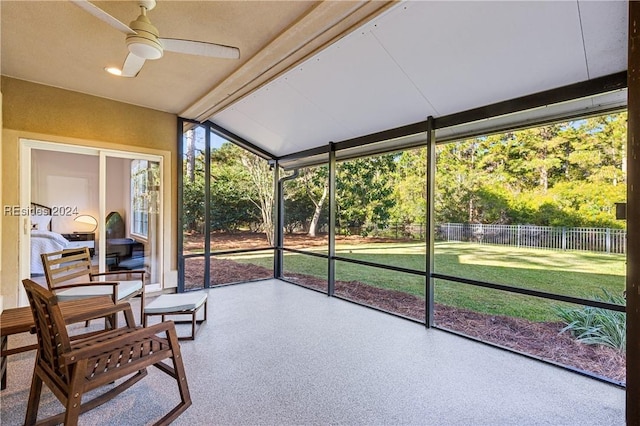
(313, 72)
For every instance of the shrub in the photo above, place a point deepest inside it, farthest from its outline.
(597, 326)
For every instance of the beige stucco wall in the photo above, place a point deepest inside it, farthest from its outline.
(45, 113)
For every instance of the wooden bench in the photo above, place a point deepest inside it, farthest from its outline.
(178, 304)
(20, 320)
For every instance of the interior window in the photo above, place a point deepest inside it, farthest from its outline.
(144, 192)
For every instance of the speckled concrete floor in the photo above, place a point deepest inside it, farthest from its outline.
(274, 353)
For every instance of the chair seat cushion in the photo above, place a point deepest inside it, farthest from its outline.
(125, 289)
(176, 303)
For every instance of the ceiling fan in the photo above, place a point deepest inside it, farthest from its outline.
(144, 41)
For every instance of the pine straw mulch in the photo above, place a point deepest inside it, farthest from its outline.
(541, 339)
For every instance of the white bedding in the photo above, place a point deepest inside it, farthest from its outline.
(44, 242)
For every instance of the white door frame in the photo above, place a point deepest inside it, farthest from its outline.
(26, 147)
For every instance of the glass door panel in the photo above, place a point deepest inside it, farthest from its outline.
(132, 217)
(193, 207)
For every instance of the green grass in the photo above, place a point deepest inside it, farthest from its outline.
(571, 273)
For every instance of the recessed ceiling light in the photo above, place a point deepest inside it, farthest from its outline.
(113, 70)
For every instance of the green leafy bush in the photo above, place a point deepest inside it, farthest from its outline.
(597, 326)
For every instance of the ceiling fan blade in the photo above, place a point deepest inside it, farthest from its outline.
(132, 65)
(102, 15)
(200, 48)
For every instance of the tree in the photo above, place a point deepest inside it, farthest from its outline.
(598, 149)
(565, 174)
(193, 182)
(190, 154)
(364, 189)
(263, 190)
(316, 186)
(538, 156)
(193, 205)
(231, 187)
(410, 187)
(457, 180)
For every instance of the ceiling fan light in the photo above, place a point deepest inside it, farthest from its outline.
(113, 71)
(144, 48)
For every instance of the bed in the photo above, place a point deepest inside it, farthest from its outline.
(43, 240)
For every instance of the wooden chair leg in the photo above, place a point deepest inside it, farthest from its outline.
(178, 366)
(180, 375)
(74, 398)
(193, 324)
(142, 303)
(34, 399)
(4, 345)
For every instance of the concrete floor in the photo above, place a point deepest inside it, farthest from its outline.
(274, 353)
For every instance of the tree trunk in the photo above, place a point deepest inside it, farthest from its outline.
(191, 155)
(544, 179)
(316, 214)
(263, 181)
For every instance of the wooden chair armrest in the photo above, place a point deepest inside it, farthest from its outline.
(113, 284)
(96, 349)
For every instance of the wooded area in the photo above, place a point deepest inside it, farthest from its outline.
(566, 174)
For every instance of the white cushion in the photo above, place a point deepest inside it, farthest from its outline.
(176, 303)
(125, 288)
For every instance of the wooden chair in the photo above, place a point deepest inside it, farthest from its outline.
(71, 368)
(68, 274)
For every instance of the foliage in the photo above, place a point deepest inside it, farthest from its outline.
(306, 200)
(297, 212)
(410, 187)
(234, 202)
(193, 205)
(260, 192)
(597, 326)
(193, 184)
(565, 174)
(364, 191)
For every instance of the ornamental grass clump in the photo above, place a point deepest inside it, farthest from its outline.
(597, 326)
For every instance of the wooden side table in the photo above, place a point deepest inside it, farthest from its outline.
(20, 320)
(82, 239)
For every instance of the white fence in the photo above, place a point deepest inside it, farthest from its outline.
(603, 240)
(545, 237)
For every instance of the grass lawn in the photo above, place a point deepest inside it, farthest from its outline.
(572, 273)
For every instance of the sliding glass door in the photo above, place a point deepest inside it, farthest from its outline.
(131, 238)
(109, 201)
